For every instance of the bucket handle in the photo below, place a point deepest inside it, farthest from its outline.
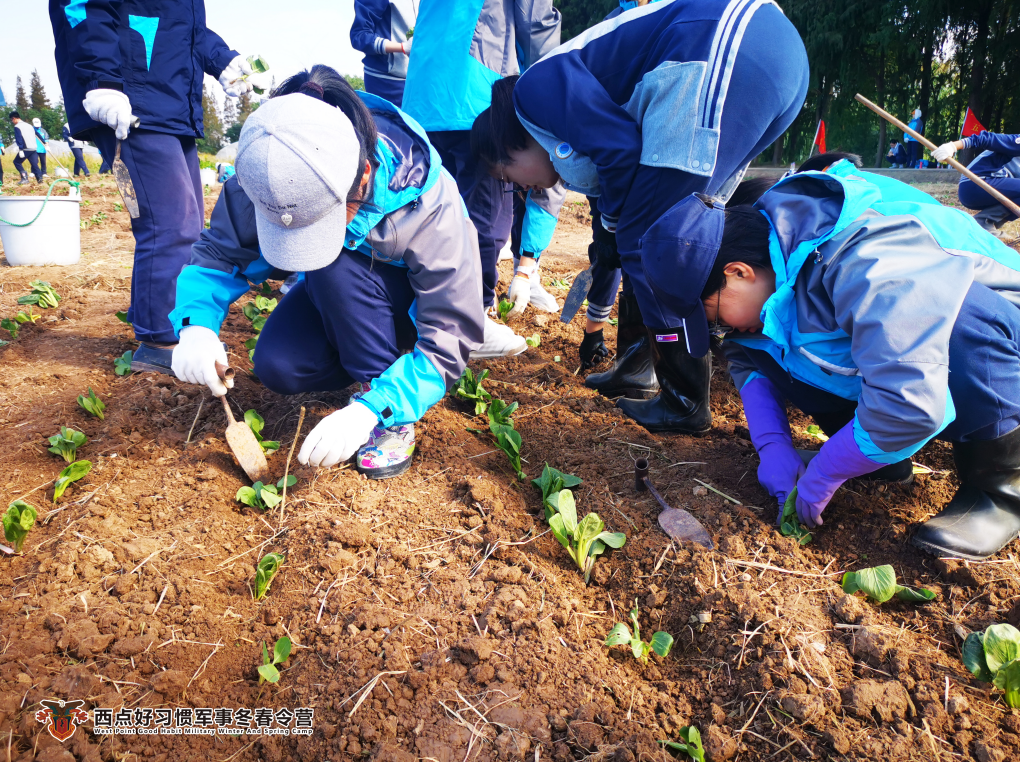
(75, 183)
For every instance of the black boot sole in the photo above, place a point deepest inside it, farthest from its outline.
(631, 394)
(941, 552)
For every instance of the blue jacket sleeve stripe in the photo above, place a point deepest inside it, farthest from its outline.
(204, 296)
(75, 12)
(405, 390)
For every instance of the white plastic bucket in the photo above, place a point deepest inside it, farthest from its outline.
(53, 239)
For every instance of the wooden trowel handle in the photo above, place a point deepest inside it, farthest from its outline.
(226, 408)
(224, 372)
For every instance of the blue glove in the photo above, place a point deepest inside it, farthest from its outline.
(781, 465)
(840, 459)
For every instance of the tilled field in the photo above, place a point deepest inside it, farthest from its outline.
(433, 616)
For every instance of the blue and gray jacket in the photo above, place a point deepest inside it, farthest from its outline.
(870, 279)
(24, 136)
(41, 136)
(917, 125)
(375, 22)
(460, 49)
(154, 51)
(999, 157)
(646, 87)
(416, 220)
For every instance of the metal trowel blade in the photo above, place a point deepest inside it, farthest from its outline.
(125, 185)
(576, 296)
(680, 525)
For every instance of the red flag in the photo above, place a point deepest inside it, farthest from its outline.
(820, 136)
(971, 126)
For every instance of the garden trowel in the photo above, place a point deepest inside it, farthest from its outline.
(576, 296)
(242, 441)
(124, 183)
(676, 522)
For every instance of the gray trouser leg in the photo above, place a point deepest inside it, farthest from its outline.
(993, 218)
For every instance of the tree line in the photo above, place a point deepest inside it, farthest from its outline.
(34, 104)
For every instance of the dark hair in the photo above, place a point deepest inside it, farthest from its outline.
(750, 190)
(745, 239)
(497, 130)
(822, 160)
(325, 84)
(14, 115)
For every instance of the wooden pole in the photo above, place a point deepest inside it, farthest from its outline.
(1004, 200)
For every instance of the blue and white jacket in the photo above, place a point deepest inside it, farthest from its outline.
(646, 87)
(375, 22)
(870, 278)
(917, 125)
(416, 220)
(999, 157)
(155, 51)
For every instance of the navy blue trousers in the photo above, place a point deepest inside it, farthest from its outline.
(605, 281)
(765, 95)
(488, 205)
(973, 197)
(390, 89)
(79, 162)
(344, 323)
(33, 162)
(164, 170)
(984, 374)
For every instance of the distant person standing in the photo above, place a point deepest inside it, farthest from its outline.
(121, 66)
(24, 136)
(897, 156)
(41, 136)
(914, 149)
(382, 30)
(998, 164)
(76, 147)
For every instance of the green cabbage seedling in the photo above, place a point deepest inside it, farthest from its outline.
(814, 430)
(993, 656)
(42, 295)
(789, 525)
(504, 308)
(72, 473)
(258, 65)
(122, 317)
(691, 745)
(879, 584)
(11, 326)
(66, 443)
(266, 569)
(534, 340)
(263, 496)
(268, 673)
(18, 520)
(30, 317)
(250, 346)
(551, 483)
(92, 404)
(122, 364)
(584, 539)
(469, 387)
(507, 439)
(256, 424)
(621, 635)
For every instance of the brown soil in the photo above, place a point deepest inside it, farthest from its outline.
(439, 591)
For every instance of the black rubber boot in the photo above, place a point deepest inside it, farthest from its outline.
(682, 402)
(901, 472)
(984, 515)
(633, 373)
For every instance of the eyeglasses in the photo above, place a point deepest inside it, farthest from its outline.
(716, 329)
(509, 187)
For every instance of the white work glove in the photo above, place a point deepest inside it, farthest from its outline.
(195, 357)
(520, 288)
(231, 77)
(338, 436)
(21, 154)
(407, 46)
(112, 108)
(944, 151)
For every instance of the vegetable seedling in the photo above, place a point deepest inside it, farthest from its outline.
(92, 404)
(42, 295)
(66, 443)
(691, 745)
(533, 341)
(551, 483)
(71, 473)
(789, 525)
(258, 65)
(504, 308)
(621, 635)
(10, 326)
(122, 364)
(559, 283)
(879, 584)
(268, 673)
(256, 424)
(266, 569)
(263, 496)
(814, 430)
(122, 317)
(584, 540)
(615, 322)
(469, 387)
(250, 346)
(993, 656)
(18, 520)
(502, 427)
(29, 317)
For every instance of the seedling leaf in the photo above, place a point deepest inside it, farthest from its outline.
(122, 317)
(1007, 679)
(256, 424)
(622, 635)
(92, 404)
(619, 635)
(72, 473)
(469, 387)
(974, 657)
(691, 745)
(281, 651)
(814, 430)
(10, 326)
(265, 571)
(533, 341)
(504, 308)
(249, 497)
(662, 643)
(18, 520)
(291, 481)
(1002, 645)
(42, 295)
(789, 525)
(66, 443)
(613, 539)
(122, 364)
(876, 582)
(914, 594)
(269, 673)
(567, 509)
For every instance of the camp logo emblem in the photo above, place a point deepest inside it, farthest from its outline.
(564, 151)
(666, 337)
(286, 219)
(62, 717)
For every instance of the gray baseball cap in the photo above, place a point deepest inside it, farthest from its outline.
(297, 158)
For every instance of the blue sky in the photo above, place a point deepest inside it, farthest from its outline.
(290, 35)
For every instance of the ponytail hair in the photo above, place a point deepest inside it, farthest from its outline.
(497, 130)
(325, 84)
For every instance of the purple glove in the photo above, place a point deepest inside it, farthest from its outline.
(780, 465)
(839, 459)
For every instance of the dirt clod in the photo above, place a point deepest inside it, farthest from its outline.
(871, 699)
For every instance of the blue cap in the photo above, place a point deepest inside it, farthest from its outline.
(678, 253)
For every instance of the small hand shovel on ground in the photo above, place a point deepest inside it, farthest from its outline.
(676, 522)
(576, 295)
(246, 448)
